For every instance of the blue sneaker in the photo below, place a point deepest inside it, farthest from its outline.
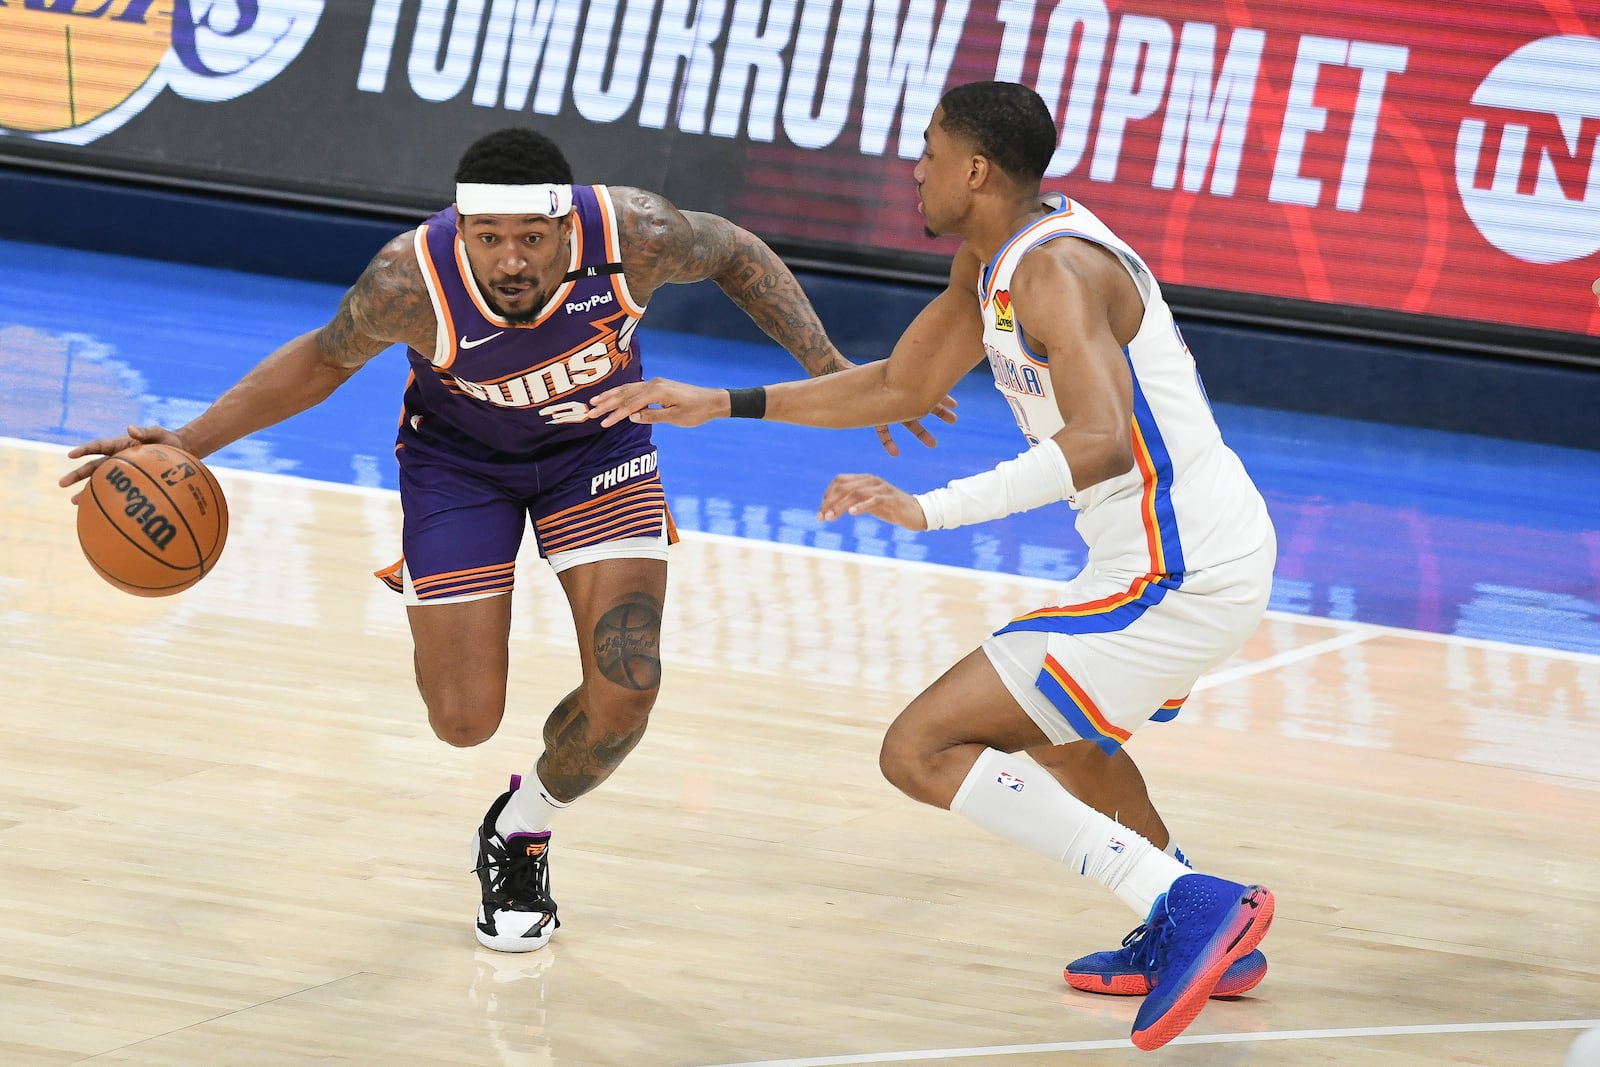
(1130, 970)
(1207, 923)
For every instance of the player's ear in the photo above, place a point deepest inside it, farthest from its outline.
(978, 172)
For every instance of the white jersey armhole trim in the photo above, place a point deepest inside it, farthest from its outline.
(444, 345)
(619, 280)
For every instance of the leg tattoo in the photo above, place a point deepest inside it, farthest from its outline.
(575, 760)
(627, 644)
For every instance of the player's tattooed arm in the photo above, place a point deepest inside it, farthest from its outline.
(388, 304)
(662, 245)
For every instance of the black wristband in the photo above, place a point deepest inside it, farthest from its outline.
(747, 403)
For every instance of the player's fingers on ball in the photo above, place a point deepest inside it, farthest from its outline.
(78, 474)
(100, 446)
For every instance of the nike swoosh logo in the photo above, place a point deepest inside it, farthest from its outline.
(478, 341)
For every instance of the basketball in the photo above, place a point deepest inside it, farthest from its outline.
(152, 520)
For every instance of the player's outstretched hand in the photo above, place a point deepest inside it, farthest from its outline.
(659, 400)
(944, 411)
(867, 494)
(110, 446)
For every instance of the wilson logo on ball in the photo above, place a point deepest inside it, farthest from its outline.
(142, 510)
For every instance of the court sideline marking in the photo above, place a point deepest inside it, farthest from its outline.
(1199, 1039)
(1350, 627)
(1283, 659)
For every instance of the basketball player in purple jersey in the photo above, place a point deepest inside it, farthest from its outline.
(517, 305)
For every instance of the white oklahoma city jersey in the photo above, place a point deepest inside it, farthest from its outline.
(1188, 502)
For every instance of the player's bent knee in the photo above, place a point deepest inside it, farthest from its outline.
(462, 732)
(464, 723)
(903, 766)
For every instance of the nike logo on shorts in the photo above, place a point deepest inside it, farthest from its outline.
(480, 340)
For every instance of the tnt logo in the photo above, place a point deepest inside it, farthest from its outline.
(1003, 319)
(1526, 161)
(1010, 781)
(77, 69)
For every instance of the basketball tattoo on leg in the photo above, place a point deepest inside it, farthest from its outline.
(583, 745)
(627, 644)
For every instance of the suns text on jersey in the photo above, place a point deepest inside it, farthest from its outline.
(554, 379)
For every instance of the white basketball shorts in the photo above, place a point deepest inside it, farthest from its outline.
(1120, 650)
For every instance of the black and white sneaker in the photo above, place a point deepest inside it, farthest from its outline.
(517, 914)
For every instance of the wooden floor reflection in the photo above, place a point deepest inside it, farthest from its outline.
(227, 835)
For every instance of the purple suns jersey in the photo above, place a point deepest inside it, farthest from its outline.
(497, 390)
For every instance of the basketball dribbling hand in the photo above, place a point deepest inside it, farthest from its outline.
(659, 400)
(110, 446)
(867, 494)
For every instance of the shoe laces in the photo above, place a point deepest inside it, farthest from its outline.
(521, 881)
(1147, 942)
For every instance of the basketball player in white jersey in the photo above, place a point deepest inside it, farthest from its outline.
(1181, 549)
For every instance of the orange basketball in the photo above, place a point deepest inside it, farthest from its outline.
(152, 520)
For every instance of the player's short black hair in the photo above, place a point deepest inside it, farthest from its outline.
(514, 156)
(1007, 123)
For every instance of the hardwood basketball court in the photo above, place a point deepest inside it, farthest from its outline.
(229, 836)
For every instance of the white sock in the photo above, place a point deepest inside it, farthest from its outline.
(530, 809)
(1023, 803)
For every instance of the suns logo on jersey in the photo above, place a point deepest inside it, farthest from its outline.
(582, 366)
(1003, 319)
(554, 379)
(77, 69)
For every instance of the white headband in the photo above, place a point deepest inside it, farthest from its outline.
(473, 198)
